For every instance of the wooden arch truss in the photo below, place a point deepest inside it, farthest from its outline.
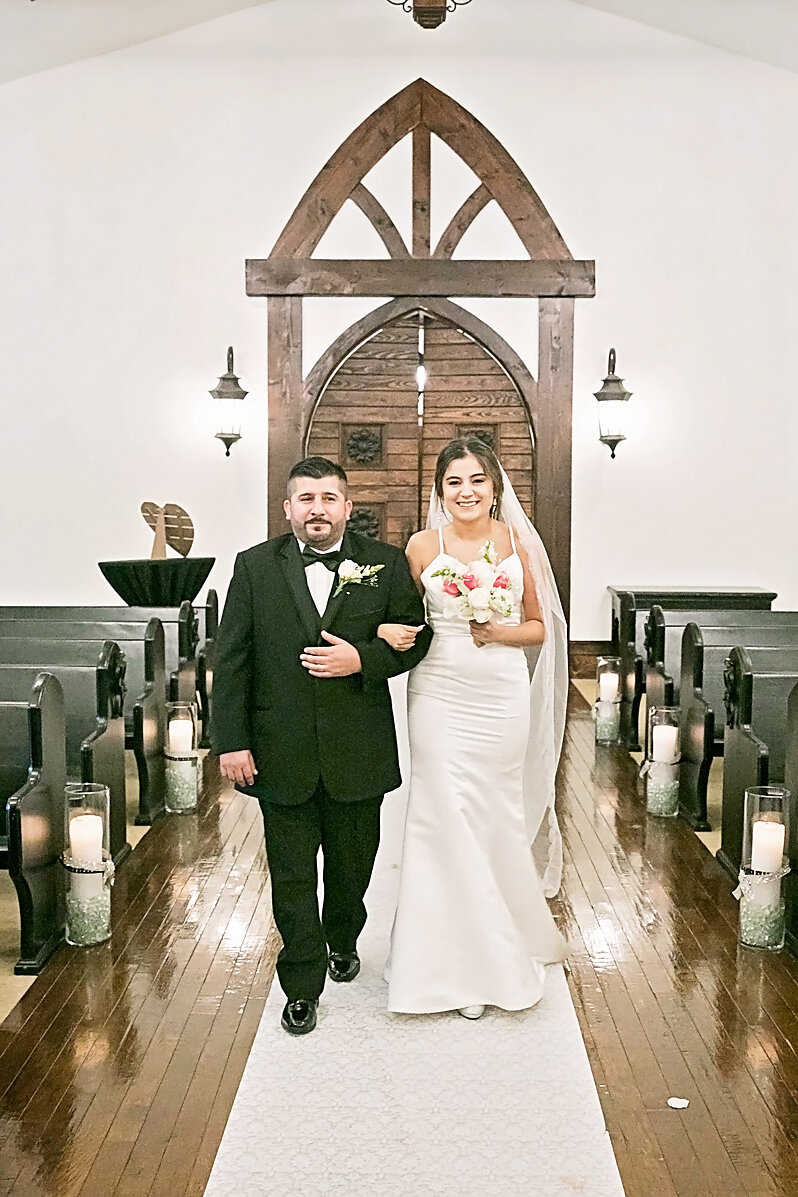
(421, 272)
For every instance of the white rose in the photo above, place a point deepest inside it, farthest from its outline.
(454, 608)
(479, 597)
(348, 569)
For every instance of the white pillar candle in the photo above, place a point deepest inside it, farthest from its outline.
(86, 838)
(664, 743)
(85, 886)
(86, 844)
(181, 737)
(767, 846)
(608, 687)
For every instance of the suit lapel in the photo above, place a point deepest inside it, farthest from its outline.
(334, 602)
(294, 571)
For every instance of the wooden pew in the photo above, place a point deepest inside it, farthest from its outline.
(791, 782)
(631, 604)
(701, 697)
(189, 631)
(38, 642)
(630, 608)
(758, 685)
(663, 643)
(32, 780)
(208, 628)
(95, 726)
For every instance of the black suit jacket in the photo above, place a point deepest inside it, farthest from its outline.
(300, 728)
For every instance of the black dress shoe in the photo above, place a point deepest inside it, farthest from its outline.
(299, 1017)
(343, 966)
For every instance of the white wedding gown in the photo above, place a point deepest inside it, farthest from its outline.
(472, 925)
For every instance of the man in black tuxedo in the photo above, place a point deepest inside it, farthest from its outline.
(302, 718)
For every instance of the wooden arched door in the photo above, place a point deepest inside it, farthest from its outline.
(387, 434)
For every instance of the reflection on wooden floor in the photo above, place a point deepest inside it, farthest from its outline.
(119, 1065)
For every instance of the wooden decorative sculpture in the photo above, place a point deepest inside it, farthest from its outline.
(159, 581)
(172, 526)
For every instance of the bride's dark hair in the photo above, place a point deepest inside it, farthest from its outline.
(476, 447)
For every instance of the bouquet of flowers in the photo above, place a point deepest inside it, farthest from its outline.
(477, 590)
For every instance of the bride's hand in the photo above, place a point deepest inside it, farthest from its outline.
(484, 633)
(400, 636)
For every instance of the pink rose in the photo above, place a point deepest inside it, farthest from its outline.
(501, 582)
(450, 587)
(470, 582)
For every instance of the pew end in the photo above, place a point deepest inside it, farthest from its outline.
(35, 815)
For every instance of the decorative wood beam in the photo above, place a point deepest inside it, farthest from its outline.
(285, 401)
(423, 277)
(494, 167)
(461, 221)
(373, 210)
(421, 104)
(553, 463)
(422, 190)
(347, 167)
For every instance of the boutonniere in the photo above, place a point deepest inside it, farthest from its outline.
(352, 574)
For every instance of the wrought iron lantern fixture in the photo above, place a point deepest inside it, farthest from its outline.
(429, 13)
(228, 395)
(612, 400)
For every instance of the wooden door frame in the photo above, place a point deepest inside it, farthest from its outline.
(421, 275)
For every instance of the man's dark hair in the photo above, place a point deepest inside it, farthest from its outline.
(317, 467)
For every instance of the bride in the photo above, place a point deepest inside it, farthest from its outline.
(472, 925)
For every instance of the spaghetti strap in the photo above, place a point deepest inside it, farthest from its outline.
(440, 541)
(512, 538)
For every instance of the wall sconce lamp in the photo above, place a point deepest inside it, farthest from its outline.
(228, 396)
(612, 400)
(429, 14)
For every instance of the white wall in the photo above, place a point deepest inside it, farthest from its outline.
(136, 184)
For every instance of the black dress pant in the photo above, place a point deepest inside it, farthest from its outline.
(348, 834)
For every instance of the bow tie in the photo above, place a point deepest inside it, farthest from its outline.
(331, 560)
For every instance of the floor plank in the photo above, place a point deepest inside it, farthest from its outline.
(119, 1065)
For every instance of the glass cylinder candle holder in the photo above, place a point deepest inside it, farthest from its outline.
(88, 864)
(607, 709)
(661, 767)
(662, 789)
(182, 758)
(764, 865)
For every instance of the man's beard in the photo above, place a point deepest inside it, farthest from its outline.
(322, 535)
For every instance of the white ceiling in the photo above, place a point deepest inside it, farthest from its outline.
(35, 36)
(765, 30)
(47, 33)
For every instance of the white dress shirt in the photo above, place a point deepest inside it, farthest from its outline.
(318, 577)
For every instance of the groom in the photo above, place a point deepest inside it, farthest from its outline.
(302, 718)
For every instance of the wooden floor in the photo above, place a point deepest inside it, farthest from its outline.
(119, 1065)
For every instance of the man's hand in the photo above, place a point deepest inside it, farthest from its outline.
(339, 659)
(238, 767)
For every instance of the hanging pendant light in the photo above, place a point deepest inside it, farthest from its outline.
(429, 14)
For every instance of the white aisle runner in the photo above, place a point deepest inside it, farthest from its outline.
(373, 1104)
